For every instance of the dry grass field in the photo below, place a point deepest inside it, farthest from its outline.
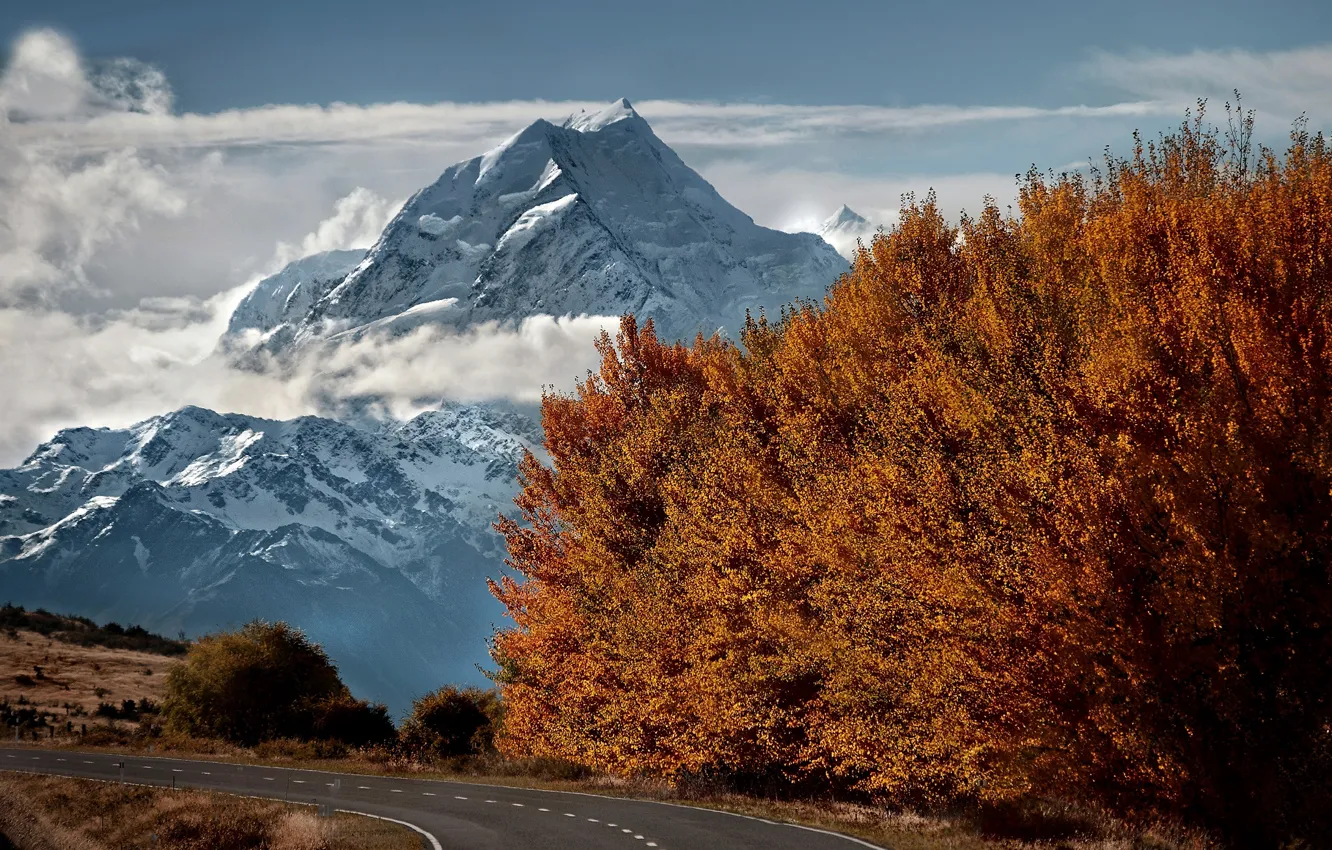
(50, 813)
(51, 674)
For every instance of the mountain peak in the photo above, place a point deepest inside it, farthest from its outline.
(591, 122)
(843, 219)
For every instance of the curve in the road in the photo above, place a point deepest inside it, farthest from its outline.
(457, 815)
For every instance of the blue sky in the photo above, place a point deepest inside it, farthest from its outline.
(251, 52)
(158, 158)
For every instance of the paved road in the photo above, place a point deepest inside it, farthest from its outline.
(456, 815)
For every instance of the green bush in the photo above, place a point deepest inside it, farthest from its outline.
(260, 682)
(452, 721)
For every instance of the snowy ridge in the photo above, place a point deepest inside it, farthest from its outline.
(196, 519)
(596, 216)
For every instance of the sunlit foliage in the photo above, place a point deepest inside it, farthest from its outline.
(1037, 505)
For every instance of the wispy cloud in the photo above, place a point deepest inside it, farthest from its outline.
(700, 124)
(1281, 83)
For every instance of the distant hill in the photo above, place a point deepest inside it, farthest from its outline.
(84, 632)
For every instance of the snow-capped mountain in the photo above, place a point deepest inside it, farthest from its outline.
(378, 544)
(376, 539)
(287, 296)
(844, 228)
(593, 216)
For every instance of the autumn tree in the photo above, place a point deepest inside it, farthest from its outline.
(1036, 505)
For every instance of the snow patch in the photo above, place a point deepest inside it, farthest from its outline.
(229, 457)
(436, 226)
(527, 225)
(141, 554)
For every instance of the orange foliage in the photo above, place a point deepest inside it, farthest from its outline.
(1037, 505)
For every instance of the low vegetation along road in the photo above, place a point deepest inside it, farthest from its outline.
(454, 814)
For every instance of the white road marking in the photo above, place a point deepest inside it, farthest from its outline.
(639, 837)
(86, 762)
(395, 790)
(36, 758)
(299, 781)
(176, 770)
(363, 787)
(543, 810)
(456, 797)
(570, 815)
(626, 830)
(329, 784)
(268, 778)
(59, 759)
(491, 801)
(519, 805)
(651, 844)
(593, 820)
(9, 756)
(206, 773)
(427, 793)
(612, 824)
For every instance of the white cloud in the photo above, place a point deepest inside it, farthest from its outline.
(62, 370)
(797, 199)
(702, 124)
(1281, 83)
(357, 220)
(57, 209)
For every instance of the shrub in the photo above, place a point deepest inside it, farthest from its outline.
(354, 722)
(258, 682)
(452, 721)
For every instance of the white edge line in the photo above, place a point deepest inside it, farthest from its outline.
(243, 765)
(434, 842)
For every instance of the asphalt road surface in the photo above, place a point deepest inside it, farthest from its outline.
(455, 815)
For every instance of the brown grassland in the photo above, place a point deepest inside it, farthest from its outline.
(80, 676)
(48, 813)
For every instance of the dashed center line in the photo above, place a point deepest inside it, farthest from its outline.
(206, 773)
(427, 794)
(593, 820)
(268, 778)
(176, 770)
(299, 781)
(363, 787)
(543, 810)
(59, 759)
(570, 815)
(395, 790)
(519, 805)
(456, 797)
(626, 830)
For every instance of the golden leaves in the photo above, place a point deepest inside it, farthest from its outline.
(1031, 505)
